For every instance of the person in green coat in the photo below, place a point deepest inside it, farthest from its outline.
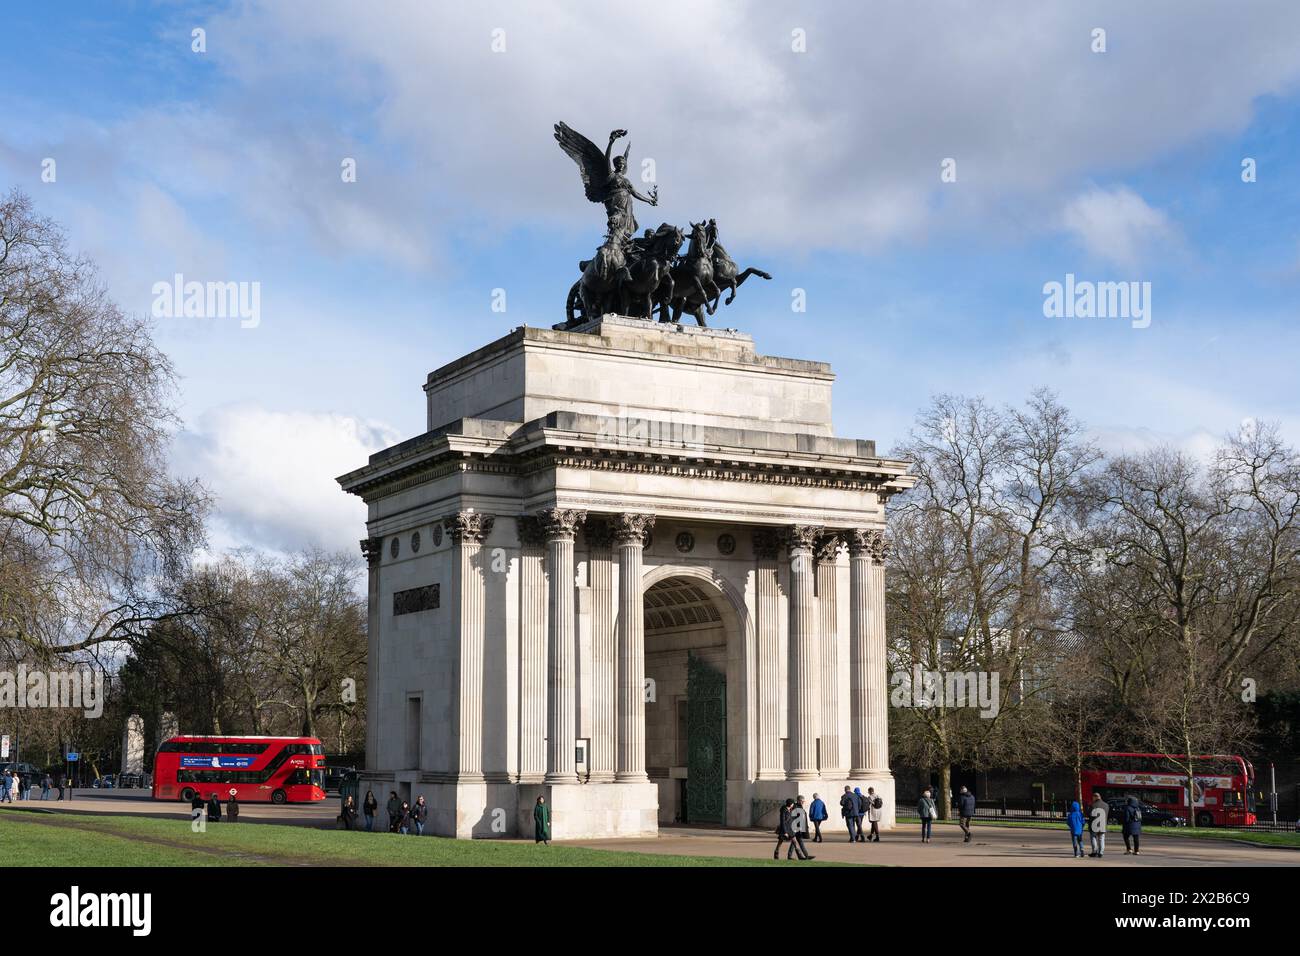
(542, 822)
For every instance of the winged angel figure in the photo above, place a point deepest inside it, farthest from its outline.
(605, 179)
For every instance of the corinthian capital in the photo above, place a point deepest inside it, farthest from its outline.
(468, 527)
(632, 528)
(802, 537)
(372, 549)
(828, 547)
(869, 542)
(560, 523)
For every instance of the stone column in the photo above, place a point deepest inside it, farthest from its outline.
(604, 652)
(832, 749)
(805, 663)
(629, 538)
(767, 598)
(468, 592)
(533, 662)
(372, 550)
(859, 541)
(877, 661)
(559, 525)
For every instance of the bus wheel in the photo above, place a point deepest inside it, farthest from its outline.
(1204, 819)
(279, 797)
(187, 795)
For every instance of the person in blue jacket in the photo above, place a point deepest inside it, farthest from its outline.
(1074, 820)
(817, 813)
(1132, 828)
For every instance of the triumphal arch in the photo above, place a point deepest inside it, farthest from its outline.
(630, 568)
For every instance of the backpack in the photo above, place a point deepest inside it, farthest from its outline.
(877, 803)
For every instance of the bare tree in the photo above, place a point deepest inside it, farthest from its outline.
(88, 511)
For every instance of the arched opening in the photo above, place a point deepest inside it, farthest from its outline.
(688, 639)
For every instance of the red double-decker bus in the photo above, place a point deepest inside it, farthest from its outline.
(1224, 785)
(257, 769)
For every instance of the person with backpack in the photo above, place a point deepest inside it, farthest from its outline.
(850, 812)
(369, 809)
(783, 827)
(1132, 825)
(927, 811)
(861, 803)
(875, 812)
(419, 814)
(1097, 814)
(1074, 820)
(817, 813)
(965, 812)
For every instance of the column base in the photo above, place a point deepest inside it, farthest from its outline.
(593, 812)
(631, 778)
(559, 779)
(601, 776)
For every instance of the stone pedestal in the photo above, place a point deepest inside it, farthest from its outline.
(592, 811)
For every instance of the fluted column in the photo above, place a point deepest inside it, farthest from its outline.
(629, 538)
(859, 541)
(372, 549)
(767, 598)
(832, 762)
(604, 652)
(467, 530)
(534, 665)
(877, 662)
(805, 657)
(559, 525)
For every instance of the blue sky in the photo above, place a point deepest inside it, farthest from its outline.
(821, 167)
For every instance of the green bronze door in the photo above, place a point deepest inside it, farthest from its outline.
(706, 742)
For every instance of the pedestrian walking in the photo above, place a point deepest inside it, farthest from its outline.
(783, 827)
(861, 803)
(394, 811)
(370, 807)
(798, 830)
(60, 785)
(419, 814)
(45, 787)
(4, 787)
(1132, 826)
(849, 811)
(15, 786)
(541, 822)
(875, 812)
(817, 813)
(1074, 820)
(965, 812)
(1097, 814)
(404, 819)
(232, 807)
(927, 811)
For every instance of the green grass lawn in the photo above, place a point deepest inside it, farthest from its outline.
(1190, 833)
(76, 839)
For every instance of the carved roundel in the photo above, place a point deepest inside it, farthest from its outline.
(685, 542)
(726, 544)
(437, 535)
(395, 547)
(415, 543)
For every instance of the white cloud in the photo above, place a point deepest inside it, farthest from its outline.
(1116, 225)
(273, 475)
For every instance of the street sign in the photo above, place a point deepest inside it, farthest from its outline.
(73, 758)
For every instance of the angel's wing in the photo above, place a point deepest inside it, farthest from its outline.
(591, 161)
